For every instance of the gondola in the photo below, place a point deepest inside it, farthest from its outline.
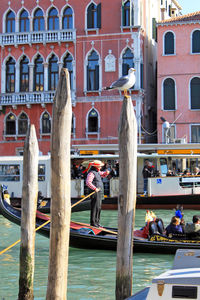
(85, 236)
(44, 205)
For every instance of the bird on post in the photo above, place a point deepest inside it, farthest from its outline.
(123, 83)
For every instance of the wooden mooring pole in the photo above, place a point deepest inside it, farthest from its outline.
(127, 199)
(29, 205)
(60, 190)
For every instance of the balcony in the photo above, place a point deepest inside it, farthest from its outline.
(35, 37)
(29, 98)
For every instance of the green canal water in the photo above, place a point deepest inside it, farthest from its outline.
(91, 273)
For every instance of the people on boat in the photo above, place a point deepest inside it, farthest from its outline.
(170, 173)
(6, 196)
(186, 172)
(150, 218)
(106, 183)
(174, 227)
(113, 172)
(179, 211)
(147, 172)
(95, 183)
(194, 227)
(179, 214)
(196, 171)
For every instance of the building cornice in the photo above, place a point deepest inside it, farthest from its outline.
(179, 23)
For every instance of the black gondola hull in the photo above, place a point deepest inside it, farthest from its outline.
(104, 240)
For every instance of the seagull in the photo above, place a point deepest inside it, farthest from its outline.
(123, 83)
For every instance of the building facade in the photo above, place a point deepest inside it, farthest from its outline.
(179, 79)
(97, 41)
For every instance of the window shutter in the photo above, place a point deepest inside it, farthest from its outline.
(195, 92)
(125, 68)
(123, 21)
(169, 43)
(89, 17)
(132, 14)
(99, 15)
(88, 79)
(169, 94)
(196, 41)
(97, 78)
(154, 29)
(141, 75)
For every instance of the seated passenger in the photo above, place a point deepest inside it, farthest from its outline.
(194, 227)
(186, 172)
(179, 214)
(170, 173)
(6, 196)
(196, 171)
(174, 227)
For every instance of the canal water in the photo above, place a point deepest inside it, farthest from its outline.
(91, 273)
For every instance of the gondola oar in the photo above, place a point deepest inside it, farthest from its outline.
(48, 221)
(82, 199)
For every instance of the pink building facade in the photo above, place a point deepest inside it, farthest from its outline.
(178, 80)
(98, 41)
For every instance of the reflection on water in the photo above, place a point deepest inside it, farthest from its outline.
(91, 273)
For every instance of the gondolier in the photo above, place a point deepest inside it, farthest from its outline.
(94, 182)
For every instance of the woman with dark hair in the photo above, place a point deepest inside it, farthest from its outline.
(174, 227)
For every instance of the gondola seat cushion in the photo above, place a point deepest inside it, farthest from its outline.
(193, 235)
(86, 230)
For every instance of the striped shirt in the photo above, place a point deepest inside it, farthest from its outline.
(90, 178)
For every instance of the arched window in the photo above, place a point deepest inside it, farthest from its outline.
(196, 41)
(53, 20)
(94, 16)
(93, 72)
(24, 21)
(10, 75)
(195, 133)
(127, 61)
(67, 20)
(169, 94)
(10, 22)
(195, 93)
(53, 72)
(10, 124)
(24, 75)
(67, 63)
(73, 124)
(93, 121)
(169, 43)
(38, 74)
(22, 124)
(38, 20)
(127, 14)
(46, 123)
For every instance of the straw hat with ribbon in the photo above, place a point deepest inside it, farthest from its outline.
(92, 163)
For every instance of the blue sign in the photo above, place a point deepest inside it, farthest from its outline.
(159, 181)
